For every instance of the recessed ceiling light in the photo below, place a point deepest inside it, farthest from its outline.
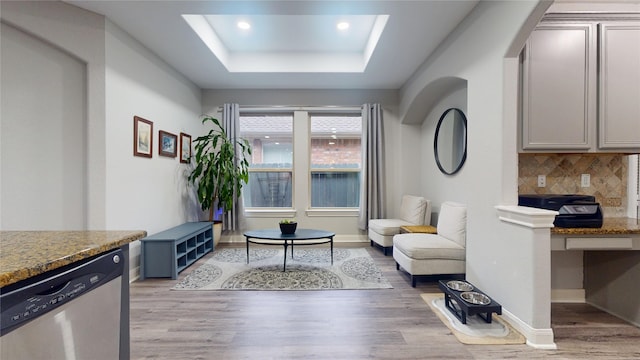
(244, 25)
(343, 25)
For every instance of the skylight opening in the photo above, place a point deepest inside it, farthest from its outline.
(281, 50)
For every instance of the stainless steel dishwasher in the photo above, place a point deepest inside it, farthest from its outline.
(69, 313)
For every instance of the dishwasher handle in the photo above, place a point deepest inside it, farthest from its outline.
(54, 289)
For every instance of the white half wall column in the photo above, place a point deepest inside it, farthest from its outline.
(532, 227)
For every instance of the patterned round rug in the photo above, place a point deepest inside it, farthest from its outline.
(309, 269)
(297, 277)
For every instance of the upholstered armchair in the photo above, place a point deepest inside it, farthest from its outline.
(414, 210)
(435, 254)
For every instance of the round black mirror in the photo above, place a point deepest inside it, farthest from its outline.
(450, 144)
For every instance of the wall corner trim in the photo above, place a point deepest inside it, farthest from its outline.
(526, 216)
(536, 338)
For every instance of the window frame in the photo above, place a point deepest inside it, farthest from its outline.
(268, 211)
(308, 211)
(311, 169)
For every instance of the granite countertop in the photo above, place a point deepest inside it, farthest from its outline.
(610, 226)
(24, 254)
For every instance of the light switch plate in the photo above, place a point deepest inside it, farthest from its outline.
(585, 180)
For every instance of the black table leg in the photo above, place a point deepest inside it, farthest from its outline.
(284, 265)
(247, 250)
(331, 238)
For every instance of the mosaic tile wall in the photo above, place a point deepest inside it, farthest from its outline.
(563, 171)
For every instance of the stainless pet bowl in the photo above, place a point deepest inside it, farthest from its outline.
(475, 298)
(459, 285)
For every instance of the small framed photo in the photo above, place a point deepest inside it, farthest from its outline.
(142, 137)
(185, 147)
(168, 144)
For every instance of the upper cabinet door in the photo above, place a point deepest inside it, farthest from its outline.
(559, 88)
(619, 86)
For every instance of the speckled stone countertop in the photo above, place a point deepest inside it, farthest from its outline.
(610, 226)
(24, 254)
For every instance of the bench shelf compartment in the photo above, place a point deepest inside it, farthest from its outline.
(167, 253)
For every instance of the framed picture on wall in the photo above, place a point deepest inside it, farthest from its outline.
(185, 147)
(168, 144)
(142, 137)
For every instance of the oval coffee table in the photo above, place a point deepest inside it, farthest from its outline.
(300, 237)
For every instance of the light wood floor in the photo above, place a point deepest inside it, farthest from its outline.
(342, 324)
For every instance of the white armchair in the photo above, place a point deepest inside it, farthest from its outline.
(435, 254)
(414, 210)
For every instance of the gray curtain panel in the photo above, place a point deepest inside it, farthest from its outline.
(231, 124)
(372, 198)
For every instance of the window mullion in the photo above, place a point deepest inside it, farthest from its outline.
(301, 162)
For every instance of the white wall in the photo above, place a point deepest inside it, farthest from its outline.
(433, 178)
(43, 135)
(80, 34)
(122, 79)
(501, 260)
(146, 193)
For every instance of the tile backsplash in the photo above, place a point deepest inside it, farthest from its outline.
(563, 174)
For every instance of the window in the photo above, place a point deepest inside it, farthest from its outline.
(270, 167)
(326, 166)
(336, 159)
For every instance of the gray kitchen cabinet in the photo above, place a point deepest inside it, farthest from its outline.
(581, 87)
(619, 85)
(559, 92)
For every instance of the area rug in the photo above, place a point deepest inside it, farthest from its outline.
(476, 331)
(310, 269)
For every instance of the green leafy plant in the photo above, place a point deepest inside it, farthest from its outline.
(288, 221)
(219, 171)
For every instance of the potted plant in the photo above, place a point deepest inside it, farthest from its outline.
(288, 226)
(219, 171)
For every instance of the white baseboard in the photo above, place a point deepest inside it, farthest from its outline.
(568, 296)
(536, 338)
(134, 274)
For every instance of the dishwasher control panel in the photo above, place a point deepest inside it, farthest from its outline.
(34, 297)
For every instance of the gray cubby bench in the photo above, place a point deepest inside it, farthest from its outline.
(167, 253)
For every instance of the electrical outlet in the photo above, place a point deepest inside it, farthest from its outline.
(542, 180)
(585, 180)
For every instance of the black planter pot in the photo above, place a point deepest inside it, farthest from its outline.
(289, 228)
